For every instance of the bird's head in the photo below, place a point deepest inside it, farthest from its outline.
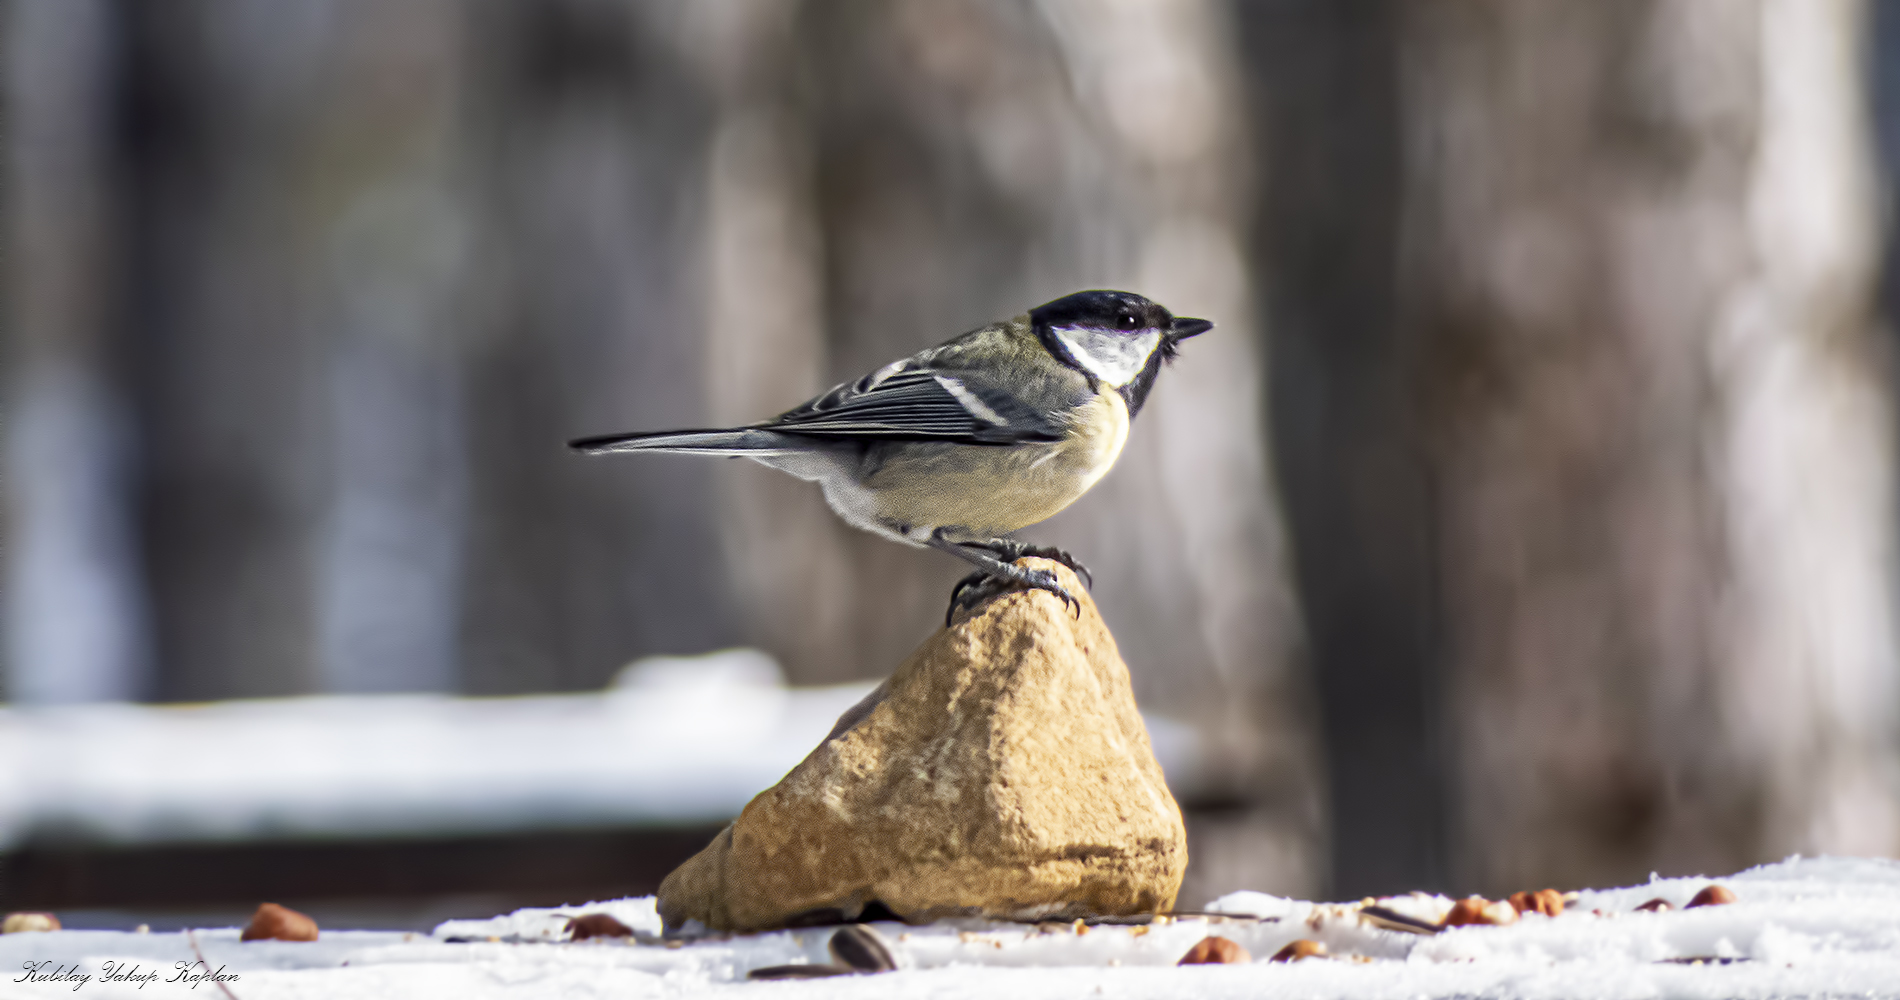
(1117, 338)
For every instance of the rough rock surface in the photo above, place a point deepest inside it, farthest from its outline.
(1002, 771)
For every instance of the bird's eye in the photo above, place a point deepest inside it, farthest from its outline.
(1127, 321)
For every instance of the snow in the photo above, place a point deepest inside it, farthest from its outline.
(1803, 927)
(676, 740)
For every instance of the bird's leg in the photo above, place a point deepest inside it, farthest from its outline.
(993, 574)
(1010, 550)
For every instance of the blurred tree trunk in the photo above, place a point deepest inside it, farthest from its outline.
(75, 615)
(298, 237)
(1352, 464)
(1624, 373)
(590, 134)
(223, 374)
(1643, 257)
(888, 175)
(378, 262)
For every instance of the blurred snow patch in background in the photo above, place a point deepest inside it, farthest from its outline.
(674, 740)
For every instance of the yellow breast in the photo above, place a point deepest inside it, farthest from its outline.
(981, 492)
(1101, 431)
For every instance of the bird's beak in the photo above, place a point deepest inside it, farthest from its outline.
(1185, 327)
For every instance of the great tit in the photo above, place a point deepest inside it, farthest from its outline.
(960, 444)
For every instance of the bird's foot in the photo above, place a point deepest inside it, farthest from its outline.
(1010, 550)
(971, 591)
(983, 585)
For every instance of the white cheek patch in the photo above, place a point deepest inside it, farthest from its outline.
(1114, 358)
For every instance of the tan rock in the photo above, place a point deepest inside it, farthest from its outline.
(1002, 771)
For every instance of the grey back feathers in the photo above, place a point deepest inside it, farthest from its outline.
(915, 400)
(910, 400)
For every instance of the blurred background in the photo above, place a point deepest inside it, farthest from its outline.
(1529, 519)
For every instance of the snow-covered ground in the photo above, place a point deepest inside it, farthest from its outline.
(692, 740)
(1801, 928)
(676, 740)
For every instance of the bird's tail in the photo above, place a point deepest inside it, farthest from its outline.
(737, 441)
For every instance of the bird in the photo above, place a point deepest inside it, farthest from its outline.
(959, 445)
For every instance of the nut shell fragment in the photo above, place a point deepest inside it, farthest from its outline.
(1657, 905)
(858, 947)
(23, 923)
(1297, 950)
(1477, 910)
(815, 971)
(278, 923)
(596, 925)
(1392, 920)
(1215, 951)
(1548, 902)
(1712, 895)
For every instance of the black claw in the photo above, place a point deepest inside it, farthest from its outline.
(1001, 573)
(1088, 578)
(980, 586)
(1058, 555)
(973, 590)
(1050, 585)
(968, 585)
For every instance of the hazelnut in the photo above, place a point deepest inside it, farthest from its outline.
(1657, 905)
(595, 925)
(278, 923)
(1548, 902)
(1303, 948)
(1479, 910)
(1712, 895)
(21, 923)
(1215, 951)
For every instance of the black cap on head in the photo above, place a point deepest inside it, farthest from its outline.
(1103, 310)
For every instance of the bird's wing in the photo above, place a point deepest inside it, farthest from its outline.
(913, 401)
